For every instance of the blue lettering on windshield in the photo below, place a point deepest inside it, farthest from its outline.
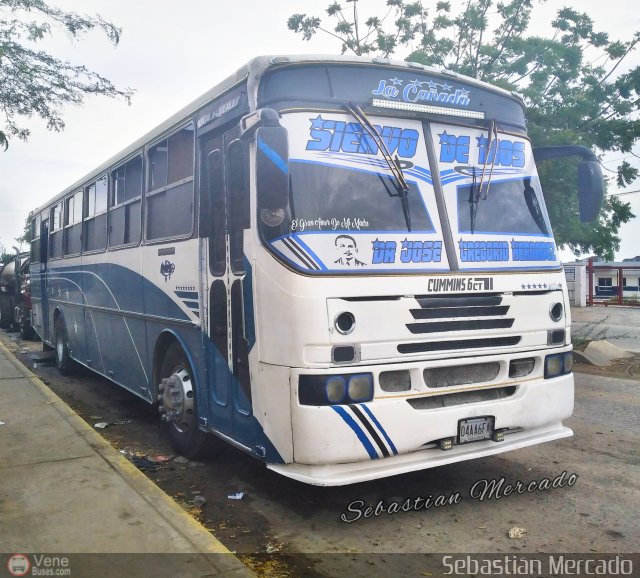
(501, 152)
(533, 251)
(410, 252)
(349, 137)
(383, 252)
(505, 153)
(454, 148)
(483, 251)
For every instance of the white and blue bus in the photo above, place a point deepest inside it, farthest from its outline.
(342, 266)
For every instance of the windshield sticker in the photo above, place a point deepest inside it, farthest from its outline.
(483, 251)
(350, 137)
(533, 251)
(501, 152)
(333, 224)
(347, 248)
(422, 91)
(410, 251)
(321, 252)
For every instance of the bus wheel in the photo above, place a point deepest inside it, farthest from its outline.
(5, 312)
(63, 361)
(178, 406)
(26, 331)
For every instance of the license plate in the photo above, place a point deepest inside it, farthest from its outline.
(475, 429)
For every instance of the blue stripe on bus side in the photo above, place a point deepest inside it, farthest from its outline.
(380, 428)
(358, 431)
(273, 156)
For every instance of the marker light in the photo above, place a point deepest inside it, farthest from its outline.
(427, 108)
(446, 444)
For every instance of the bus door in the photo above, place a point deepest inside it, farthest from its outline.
(224, 219)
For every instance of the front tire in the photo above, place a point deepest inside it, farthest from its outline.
(63, 360)
(178, 405)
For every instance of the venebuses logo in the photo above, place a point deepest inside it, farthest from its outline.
(18, 565)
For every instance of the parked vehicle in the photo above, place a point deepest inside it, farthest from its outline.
(15, 296)
(340, 265)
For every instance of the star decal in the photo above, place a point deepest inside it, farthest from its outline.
(432, 85)
(444, 138)
(395, 81)
(446, 87)
(317, 123)
(405, 244)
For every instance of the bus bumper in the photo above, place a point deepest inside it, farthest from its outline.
(350, 473)
(336, 445)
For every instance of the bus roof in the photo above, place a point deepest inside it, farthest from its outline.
(252, 72)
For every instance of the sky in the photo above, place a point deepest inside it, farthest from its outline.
(172, 52)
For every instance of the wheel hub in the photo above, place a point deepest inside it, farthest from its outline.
(175, 397)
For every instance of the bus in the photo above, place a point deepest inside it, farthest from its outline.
(343, 266)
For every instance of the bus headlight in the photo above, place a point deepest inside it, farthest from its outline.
(335, 389)
(558, 364)
(360, 387)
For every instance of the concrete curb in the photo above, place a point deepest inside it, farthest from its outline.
(192, 530)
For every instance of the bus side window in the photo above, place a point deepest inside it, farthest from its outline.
(95, 223)
(125, 223)
(55, 238)
(35, 226)
(217, 250)
(238, 191)
(169, 207)
(73, 224)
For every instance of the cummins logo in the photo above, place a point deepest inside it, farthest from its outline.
(459, 284)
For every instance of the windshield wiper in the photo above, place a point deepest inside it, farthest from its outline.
(399, 182)
(475, 192)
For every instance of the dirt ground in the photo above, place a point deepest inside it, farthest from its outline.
(286, 529)
(625, 368)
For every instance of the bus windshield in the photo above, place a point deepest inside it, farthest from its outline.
(505, 207)
(325, 198)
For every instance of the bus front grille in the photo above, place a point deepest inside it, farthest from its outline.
(458, 344)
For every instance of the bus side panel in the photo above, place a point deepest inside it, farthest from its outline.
(66, 302)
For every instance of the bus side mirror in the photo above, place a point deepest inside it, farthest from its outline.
(590, 190)
(272, 174)
(590, 181)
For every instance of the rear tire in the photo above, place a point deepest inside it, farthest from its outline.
(26, 331)
(176, 375)
(5, 312)
(63, 360)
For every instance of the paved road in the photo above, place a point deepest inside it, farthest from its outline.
(618, 325)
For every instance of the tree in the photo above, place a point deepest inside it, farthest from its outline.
(35, 83)
(572, 84)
